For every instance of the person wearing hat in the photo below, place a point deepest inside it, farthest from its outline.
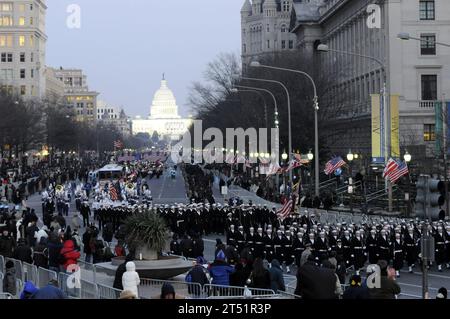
(356, 290)
(197, 275)
(9, 279)
(220, 270)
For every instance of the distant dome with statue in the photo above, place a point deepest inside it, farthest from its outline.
(164, 118)
(164, 104)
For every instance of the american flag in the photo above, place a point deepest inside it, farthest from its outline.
(402, 170)
(113, 192)
(294, 164)
(391, 166)
(334, 164)
(286, 210)
(118, 144)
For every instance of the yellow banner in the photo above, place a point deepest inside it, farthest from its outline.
(395, 127)
(376, 126)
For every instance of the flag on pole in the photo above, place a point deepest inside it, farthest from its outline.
(286, 210)
(293, 165)
(113, 192)
(401, 170)
(333, 164)
(391, 166)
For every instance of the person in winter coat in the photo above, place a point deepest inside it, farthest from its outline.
(31, 232)
(41, 233)
(69, 255)
(23, 252)
(389, 288)
(276, 276)
(314, 282)
(9, 279)
(238, 278)
(130, 279)
(120, 271)
(28, 290)
(54, 248)
(51, 291)
(356, 290)
(198, 246)
(86, 244)
(220, 270)
(260, 276)
(7, 244)
(197, 275)
(40, 254)
(167, 291)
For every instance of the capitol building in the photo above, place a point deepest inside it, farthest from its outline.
(164, 118)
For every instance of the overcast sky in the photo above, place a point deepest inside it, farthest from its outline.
(125, 46)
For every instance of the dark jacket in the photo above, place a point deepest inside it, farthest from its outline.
(389, 288)
(54, 248)
(118, 278)
(49, 292)
(6, 246)
(357, 292)
(261, 281)
(23, 253)
(314, 282)
(40, 254)
(276, 277)
(239, 277)
(198, 276)
(220, 272)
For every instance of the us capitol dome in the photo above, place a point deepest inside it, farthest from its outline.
(164, 117)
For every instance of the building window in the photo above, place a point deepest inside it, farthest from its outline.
(286, 6)
(426, 8)
(283, 28)
(244, 48)
(33, 91)
(429, 133)
(6, 7)
(268, 28)
(21, 21)
(22, 57)
(429, 87)
(291, 44)
(21, 7)
(23, 90)
(31, 7)
(32, 57)
(22, 40)
(7, 57)
(22, 73)
(31, 21)
(31, 40)
(32, 73)
(283, 44)
(428, 44)
(6, 21)
(268, 44)
(6, 41)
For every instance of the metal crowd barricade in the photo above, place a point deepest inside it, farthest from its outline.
(1, 279)
(19, 287)
(149, 288)
(226, 291)
(29, 272)
(88, 267)
(69, 285)
(105, 292)
(44, 276)
(88, 290)
(288, 295)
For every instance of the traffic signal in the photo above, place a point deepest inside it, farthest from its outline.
(430, 198)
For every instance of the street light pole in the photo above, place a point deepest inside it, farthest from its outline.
(289, 111)
(385, 129)
(316, 121)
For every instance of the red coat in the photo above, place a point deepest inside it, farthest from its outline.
(70, 254)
